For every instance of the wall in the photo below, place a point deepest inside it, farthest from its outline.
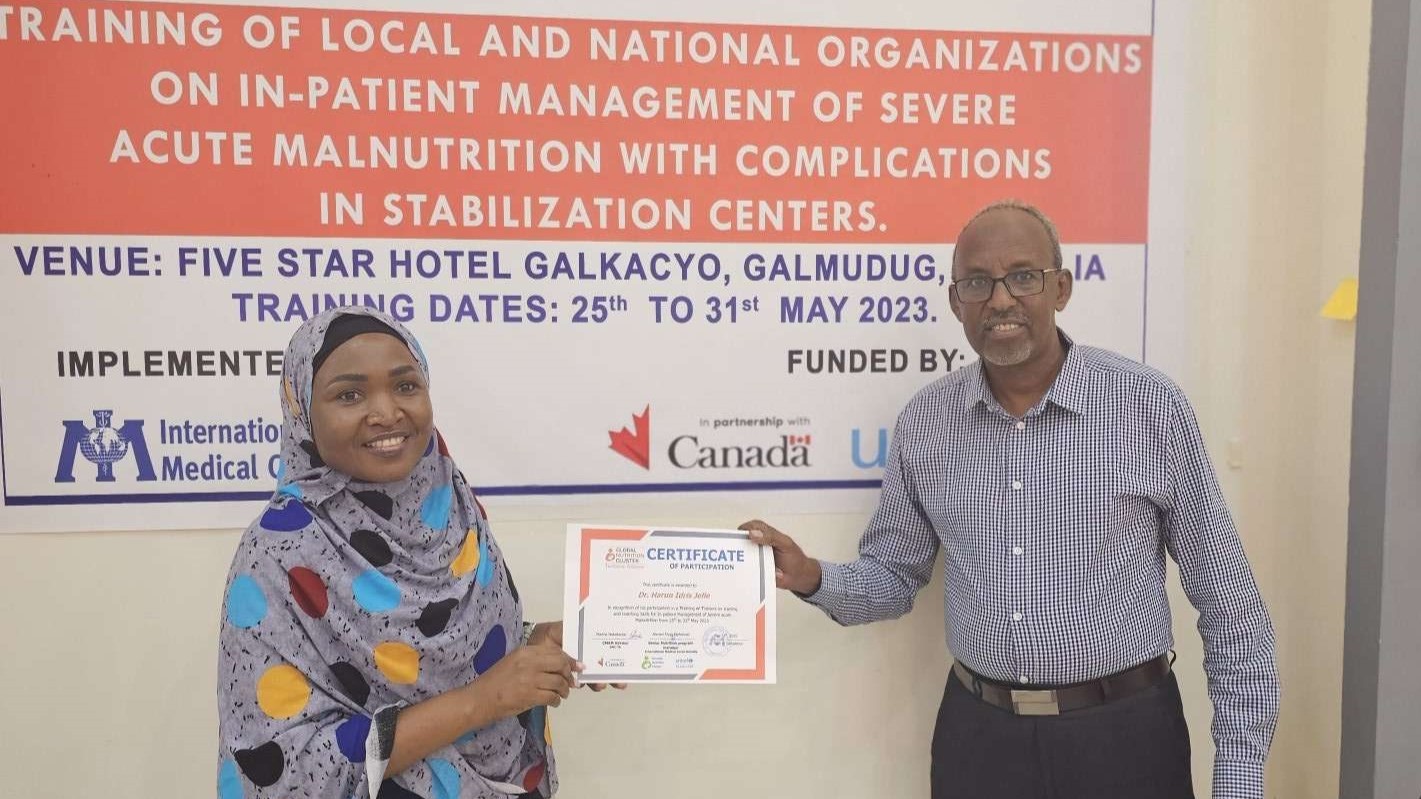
(110, 639)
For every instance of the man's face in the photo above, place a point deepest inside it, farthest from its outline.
(370, 411)
(1006, 330)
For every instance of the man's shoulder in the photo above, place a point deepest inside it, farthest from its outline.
(1118, 373)
(950, 390)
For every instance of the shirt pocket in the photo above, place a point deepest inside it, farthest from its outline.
(1132, 516)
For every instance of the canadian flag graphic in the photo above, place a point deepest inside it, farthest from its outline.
(634, 446)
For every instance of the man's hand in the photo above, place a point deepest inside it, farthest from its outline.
(794, 570)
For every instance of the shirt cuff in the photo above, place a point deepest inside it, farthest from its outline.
(1237, 779)
(379, 745)
(830, 595)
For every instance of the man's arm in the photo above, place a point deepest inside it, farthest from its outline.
(896, 555)
(1238, 636)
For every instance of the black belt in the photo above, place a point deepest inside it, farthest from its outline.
(1053, 702)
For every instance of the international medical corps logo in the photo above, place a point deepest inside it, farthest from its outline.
(634, 446)
(104, 445)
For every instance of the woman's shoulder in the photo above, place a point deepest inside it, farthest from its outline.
(284, 525)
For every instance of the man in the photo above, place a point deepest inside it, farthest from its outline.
(1055, 477)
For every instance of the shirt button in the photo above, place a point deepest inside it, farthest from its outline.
(1024, 679)
(1016, 485)
(1016, 550)
(1016, 617)
(1021, 425)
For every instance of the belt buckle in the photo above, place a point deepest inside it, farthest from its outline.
(1035, 703)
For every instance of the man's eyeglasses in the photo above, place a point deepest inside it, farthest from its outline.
(1021, 283)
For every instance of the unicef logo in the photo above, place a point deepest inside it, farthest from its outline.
(104, 445)
(717, 641)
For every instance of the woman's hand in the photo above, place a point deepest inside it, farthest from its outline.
(531, 675)
(552, 631)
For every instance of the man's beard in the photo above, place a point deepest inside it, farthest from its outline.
(1000, 353)
(1007, 353)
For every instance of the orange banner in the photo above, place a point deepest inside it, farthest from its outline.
(162, 119)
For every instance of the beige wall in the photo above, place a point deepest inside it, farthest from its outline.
(109, 640)
(1280, 229)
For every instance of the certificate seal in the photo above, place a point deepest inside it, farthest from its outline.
(716, 640)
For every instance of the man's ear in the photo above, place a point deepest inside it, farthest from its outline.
(1064, 282)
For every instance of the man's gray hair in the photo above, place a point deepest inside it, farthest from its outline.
(1026, 208)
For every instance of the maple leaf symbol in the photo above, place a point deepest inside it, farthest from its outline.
(635, 447)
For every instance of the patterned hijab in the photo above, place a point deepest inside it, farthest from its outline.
(347, 601)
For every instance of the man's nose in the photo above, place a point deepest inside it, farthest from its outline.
(1001, 299)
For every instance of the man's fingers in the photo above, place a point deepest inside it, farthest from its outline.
(761, 533)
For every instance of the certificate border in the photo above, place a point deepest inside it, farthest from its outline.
(587, 534)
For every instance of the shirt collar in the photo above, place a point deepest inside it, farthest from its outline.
(975, 390)
(1070, 390)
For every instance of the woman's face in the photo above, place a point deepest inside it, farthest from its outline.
(370, 412)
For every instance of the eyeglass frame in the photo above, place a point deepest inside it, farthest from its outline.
(1003, 281)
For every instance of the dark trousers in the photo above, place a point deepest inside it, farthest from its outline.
(1132, 748)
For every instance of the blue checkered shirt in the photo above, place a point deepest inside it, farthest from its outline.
(1054, 529)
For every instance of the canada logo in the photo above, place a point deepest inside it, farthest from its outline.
(634, 445)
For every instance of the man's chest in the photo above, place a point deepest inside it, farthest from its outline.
(1073, 480)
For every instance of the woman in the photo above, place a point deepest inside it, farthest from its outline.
(368, 597)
